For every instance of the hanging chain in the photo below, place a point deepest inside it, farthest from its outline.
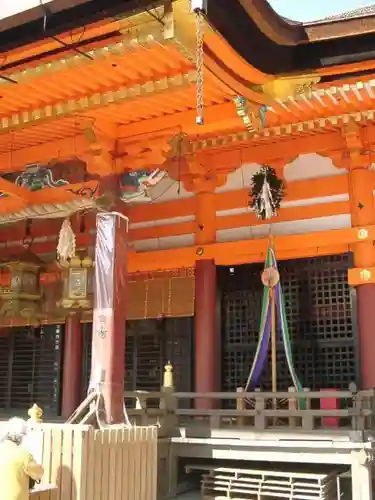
(199, 66)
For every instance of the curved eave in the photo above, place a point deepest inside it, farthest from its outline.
(13, 17)
(28, 27)
(275, 46)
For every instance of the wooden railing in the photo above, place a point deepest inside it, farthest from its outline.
(306, 410)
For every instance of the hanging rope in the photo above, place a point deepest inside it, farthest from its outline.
(261, 354)
(199, 62)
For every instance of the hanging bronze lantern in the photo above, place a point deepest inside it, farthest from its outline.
(19, 290)
(77, 288)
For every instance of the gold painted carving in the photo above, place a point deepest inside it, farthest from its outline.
(284, 88)
(253, 115)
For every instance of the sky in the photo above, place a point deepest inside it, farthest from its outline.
(300, 10)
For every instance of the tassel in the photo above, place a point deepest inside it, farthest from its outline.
(66, 247)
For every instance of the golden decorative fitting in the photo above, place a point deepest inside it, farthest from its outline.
(35, 413)
(362, 234)
(285, 88)
(75, 262)
(365, 275)
(168, 375)
(87, 262)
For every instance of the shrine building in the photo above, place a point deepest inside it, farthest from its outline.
(165, 112)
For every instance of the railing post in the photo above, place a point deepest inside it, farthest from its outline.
(240, 405)
(307, 419)
(330, 404)
(293, 406)
(141, 404)
(371, 424)
(33, 441)
(358, 419)
(259, 419)
(367, 403)
(168, 402)
(361, 472)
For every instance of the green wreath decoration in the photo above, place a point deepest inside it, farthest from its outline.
(266, 193)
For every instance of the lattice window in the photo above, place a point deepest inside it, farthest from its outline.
(4, 371)
(30, 364)
(47, 380)
(319, 312)
(150, 344)
(178, 350)
(149, 355)
(130, 361)
(86, 365)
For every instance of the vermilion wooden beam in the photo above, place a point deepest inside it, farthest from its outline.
(229, 253)
(218, 118)
(239, 252)
(230, 200)
(246, 219)
(59, 149)
(42, 228)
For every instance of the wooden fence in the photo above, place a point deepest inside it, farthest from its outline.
(108, 464)
(308, 410)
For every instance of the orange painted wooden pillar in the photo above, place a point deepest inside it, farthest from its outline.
(72, 368)
(362, 276)
(207, 341)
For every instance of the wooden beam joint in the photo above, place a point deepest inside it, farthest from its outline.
(357, 153)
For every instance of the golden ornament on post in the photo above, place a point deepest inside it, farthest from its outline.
(35, 413)
(168, 375)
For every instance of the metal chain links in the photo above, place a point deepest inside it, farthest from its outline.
(199, 66)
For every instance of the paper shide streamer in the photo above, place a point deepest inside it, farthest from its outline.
(66, 247)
